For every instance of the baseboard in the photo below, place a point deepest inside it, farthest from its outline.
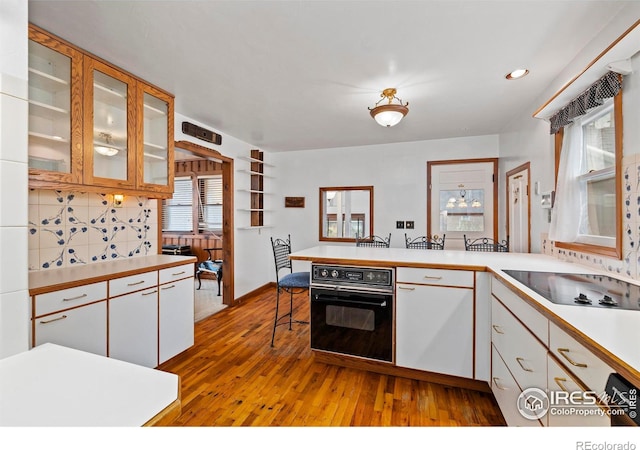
(255, 292)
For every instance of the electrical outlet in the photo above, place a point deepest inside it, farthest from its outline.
(410, 224)
(399, 224)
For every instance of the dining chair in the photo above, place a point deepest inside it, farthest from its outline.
(486, 245)
(212, 266)
(373, 241)
(292, 282)
(425, 242)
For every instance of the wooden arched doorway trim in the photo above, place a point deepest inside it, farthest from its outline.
(228, 295)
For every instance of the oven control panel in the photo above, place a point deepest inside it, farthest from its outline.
(352, 275)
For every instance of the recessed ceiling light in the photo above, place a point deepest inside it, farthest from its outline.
(518, 73)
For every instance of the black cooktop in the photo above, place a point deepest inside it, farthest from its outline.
(596, 291)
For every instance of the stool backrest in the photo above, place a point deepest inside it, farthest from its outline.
(281, 252)
(425, 242)
(373, 241)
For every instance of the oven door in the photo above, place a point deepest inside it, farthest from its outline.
(352, 322)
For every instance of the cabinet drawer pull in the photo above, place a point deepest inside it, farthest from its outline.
(136, 283)
(179, 273)
(406, 288)
(149, 293)
(498, 329)
(74, 298)
(168, 287)
(495, 381)
(564, 351)
(560, 382)
(430, 277)
(526, 369)
(53, 320)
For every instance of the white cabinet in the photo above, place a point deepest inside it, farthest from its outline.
(507, 391)
(176, 318)
(434, 324)
(521, 351)
(74, 317)
(83, 328)
(133, 327)
(572, 408)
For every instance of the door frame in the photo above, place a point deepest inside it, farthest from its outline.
(228, 293)
(430, 164)
(526, 166)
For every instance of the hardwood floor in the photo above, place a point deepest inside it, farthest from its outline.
(233, 377)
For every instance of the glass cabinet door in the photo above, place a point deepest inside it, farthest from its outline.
(55, 110)
(156, 119)
(109, 141)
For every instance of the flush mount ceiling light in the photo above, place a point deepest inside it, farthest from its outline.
(107, 149)
(518, 73)
(389, 114)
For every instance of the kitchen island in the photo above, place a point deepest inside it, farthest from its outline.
(608, 334)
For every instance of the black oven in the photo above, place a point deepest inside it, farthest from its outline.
(352, 311)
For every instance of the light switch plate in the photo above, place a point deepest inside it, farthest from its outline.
(410, 224)
(399, 224)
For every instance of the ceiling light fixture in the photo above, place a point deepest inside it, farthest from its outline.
(108, 149)
(518, 73)
(389, 114)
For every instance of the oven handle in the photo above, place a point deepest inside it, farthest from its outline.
(325, 299)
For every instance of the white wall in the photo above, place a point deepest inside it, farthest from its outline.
(398, 173)
(253, 256)
(14, 312)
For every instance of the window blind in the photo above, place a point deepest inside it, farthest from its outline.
(177, 212)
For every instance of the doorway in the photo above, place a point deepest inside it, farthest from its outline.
(462, 200)
(519, 208)
(208, 163)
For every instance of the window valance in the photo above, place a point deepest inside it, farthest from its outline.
(606, 87)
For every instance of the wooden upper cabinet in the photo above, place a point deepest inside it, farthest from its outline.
(109, 126)
(94, 126)
(155, 166)
(55, 109)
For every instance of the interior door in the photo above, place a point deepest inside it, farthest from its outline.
(462, 200)
(518, 209)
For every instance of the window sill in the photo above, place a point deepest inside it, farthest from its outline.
(611, 252)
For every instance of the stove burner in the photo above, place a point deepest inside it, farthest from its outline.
(582, 299)
(608, 301)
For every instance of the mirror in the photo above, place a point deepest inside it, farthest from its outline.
(346, 212)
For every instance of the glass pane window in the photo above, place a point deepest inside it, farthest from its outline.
(598, 177)
(210, 208)
(177, 212)
(462, 210)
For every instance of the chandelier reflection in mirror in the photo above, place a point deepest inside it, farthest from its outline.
(462, 202)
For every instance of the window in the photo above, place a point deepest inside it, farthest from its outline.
(589, 220)
(599, 178)
(179, 213)
(210, 208)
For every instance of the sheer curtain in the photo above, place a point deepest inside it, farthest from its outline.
(569, 212)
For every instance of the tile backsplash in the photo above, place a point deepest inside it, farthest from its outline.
(629, 265)
(67, 229)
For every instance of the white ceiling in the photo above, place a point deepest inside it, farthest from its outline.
(293, 75)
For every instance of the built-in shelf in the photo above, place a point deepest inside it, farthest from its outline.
(255, 227)
(250, 172)
(253, 160)
(46, 82)
(45, 110)
(48, 137)
(254, 192)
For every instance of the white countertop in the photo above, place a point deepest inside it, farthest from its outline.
(616, 332)
(51, 385)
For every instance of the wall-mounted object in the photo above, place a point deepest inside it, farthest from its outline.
(400, 224)
(201, 133)
(547, 199)
(294, 202)
(118, 199)
(410, 224)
